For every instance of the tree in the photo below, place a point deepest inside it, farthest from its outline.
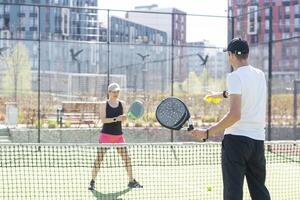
(17, 73)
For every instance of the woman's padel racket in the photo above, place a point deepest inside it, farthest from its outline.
(136, 110)
(172, 113)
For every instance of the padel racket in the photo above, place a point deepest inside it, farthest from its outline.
(172, 113)
(136, 110)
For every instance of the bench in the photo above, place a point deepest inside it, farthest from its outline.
(90, 119)
(79, 112)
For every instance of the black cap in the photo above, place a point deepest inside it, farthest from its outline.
(238, 46)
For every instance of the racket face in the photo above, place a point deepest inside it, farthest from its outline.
(172, 113)
(136, 110)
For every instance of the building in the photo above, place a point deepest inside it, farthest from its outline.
(123, 30)
(170, 20)
(255, 27)
(22, 21)
(139, 52)
(58, 29)
(173, 22)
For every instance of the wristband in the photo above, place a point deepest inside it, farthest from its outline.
(207, 132)
(224, 94)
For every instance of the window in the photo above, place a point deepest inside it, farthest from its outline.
(287, 11)
(287, 24)
(252, 20)
(176, 17)
(230, 12)
(297, 9)
(238, 27)
(285, 35)
(266, 37)
(267, 12)
(297, 23)
(239, 11)
(6, 22)
(280, 12)
(93, 54)
(65, 22)
(267, 25)
(6, 9)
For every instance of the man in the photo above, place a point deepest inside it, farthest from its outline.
(112, 116)
(243, 143)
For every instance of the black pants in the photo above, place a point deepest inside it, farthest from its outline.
(243, 156)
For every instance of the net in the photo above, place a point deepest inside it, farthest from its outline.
(63, 171)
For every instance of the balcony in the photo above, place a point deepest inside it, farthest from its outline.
(21, 28)
(34, 28)
(33, 15)
(286, 2)
(21, 14)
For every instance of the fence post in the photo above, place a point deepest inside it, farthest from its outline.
(108, 49)
(39, 77)
(172, 66)
(295, 121)
(270, 47)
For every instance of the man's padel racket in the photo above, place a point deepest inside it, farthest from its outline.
(172, 113)
(136, 110)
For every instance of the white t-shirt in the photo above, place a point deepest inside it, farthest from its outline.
(251, 84)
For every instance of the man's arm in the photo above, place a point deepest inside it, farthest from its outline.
(228, 120)
(218, 94)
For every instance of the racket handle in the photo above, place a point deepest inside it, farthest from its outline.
(191, 127)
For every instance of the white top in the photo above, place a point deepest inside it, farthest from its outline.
(251, 84)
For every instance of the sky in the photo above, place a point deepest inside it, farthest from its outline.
(198, 28)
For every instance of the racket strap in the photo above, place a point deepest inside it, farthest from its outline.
(191, 127)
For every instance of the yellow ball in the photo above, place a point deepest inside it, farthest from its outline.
(209, 188)
(215, 100)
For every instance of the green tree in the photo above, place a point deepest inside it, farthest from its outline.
(17, 74)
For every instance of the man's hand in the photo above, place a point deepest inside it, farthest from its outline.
(215, 95)
(199, 134)
(214, 98)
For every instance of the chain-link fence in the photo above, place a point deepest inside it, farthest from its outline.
(55, 56)
(57, 61)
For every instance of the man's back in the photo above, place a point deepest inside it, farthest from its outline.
(250, 83)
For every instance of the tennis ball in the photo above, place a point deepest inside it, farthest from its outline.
(215, 100)
(209, 188)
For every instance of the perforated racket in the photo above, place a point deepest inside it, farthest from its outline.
(172, 113)
(136, 110)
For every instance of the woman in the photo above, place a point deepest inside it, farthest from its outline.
(112, 116)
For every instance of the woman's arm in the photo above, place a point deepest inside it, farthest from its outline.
(103, 117)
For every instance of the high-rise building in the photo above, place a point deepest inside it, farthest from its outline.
(57, 24)
(23, 21)
(139, 52)
(255, 27)
(173, 22)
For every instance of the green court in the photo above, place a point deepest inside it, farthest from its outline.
(167, 171)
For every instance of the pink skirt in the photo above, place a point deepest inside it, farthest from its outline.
(108, 138)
